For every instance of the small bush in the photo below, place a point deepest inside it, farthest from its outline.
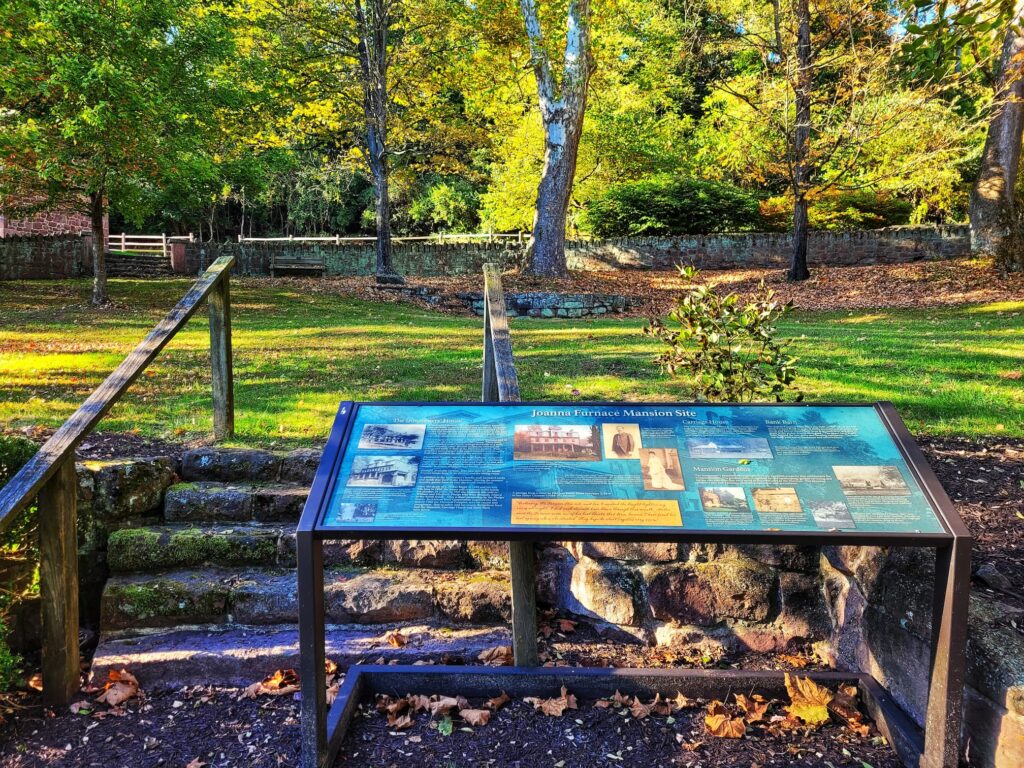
(17, 543)
(665, 205)
(839, 211)
(728, 348)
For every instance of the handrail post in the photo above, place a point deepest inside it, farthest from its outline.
(521, 557)
(58, 584)
(221, 367)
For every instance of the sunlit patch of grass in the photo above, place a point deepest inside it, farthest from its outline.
(298, 355)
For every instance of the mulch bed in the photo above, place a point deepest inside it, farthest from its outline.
(167, 728)
(218, 727)
(519, 737)
(917, 285)
(985, 479)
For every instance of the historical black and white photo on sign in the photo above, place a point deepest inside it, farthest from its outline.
(871, 481)
(392, 436)
(831, 514)
(724, 499)
(728, 447)
(621, 441)
(556, 442)
(661, 469)
(384, 471)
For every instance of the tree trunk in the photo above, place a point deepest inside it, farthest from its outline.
(563, 114)
(99, 249)
(801, 139)
(798, 266)
(547, 249)
(385, 270)
(374, 22)
(995, 230)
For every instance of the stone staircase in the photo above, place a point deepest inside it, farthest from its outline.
(204, 590)
(138, 265)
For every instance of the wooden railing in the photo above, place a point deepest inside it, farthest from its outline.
(50, 474)
(144, 243)
(501, 385)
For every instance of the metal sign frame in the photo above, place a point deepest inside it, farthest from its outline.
(322, 731)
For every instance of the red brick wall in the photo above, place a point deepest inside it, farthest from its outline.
(49, 223)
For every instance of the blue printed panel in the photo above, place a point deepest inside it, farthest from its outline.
(656, 467)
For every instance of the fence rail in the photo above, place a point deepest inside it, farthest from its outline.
(134, 243)
(501, 385)
(50, 474)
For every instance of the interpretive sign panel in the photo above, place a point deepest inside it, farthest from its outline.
(658, 468)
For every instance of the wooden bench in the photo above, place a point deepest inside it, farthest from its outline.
(296, 262)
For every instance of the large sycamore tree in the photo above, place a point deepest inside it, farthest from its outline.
(562, 94)
(994, 215)
(100, 100)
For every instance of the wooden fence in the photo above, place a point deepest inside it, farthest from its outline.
(50, 474)
(501, 385)
(155, 244)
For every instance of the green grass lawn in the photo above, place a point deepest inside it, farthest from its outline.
(297, 354)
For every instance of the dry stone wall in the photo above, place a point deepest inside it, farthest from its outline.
(33, 257)
(58, 258)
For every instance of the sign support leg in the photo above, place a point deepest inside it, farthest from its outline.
(949, 644)
(312, 674)
(524, 603)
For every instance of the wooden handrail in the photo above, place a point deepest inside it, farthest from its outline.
(501, 385)
(25, 485)
(500, 382)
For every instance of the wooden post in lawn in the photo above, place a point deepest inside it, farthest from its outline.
(220, 360)
(500, 384)
(58, 584)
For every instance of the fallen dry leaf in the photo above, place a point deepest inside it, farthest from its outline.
(566, 625)
(809, 700)
(721, 723)
(498, 701)
(844, 704)
(639, 710)
(682, 702)
(397, 639)
(753, 708)
(440, 705)
(119, 688)
(797, 662)
(281, 683)
(400, 722)
(553, 707)
(475, 716)
(197, 763)
(418, 703)
(332, 693)
(498, 656)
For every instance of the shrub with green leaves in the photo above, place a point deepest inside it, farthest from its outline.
(17, 546)
(669, 205)
(728, 348)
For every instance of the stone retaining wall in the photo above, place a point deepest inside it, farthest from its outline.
(56, 257)
(33, 257)
(550, 304)
(891, 245)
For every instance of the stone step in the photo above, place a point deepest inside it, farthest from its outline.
(239, 655)
(166, 547)
(240, 502)
(268, 596)
(250, 464)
